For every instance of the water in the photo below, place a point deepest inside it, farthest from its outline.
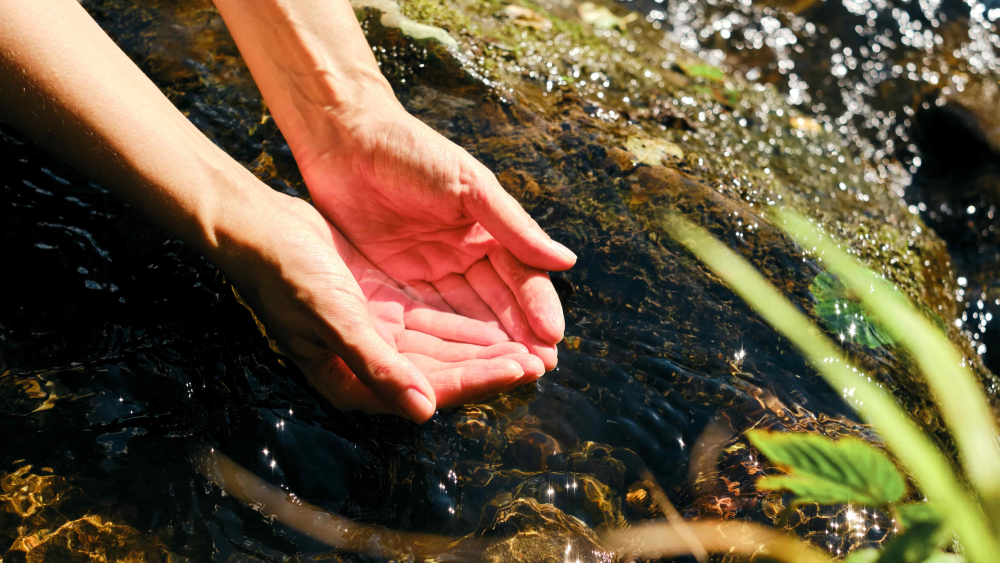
(864, 66)
(123, 352)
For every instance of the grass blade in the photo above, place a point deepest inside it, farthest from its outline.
(656, 540)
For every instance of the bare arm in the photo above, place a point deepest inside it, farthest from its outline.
(357, 337)
(311, 61)
(69, 87)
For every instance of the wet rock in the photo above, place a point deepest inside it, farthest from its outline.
(653, 151)
(53, 524)
(525, 530)
(957, 190)
(641, 504)
(619, 161)
(390, 17)
(526, 17)
(424, 46)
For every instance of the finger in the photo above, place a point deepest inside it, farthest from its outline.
(505, 219)
(531, 365)
(423, 292)
(388, 374)
(533, 369)
(456, 328)
(470, 381)
(534, 293)
(446, 351)
(479, 379)
(494, 292)
(455, 289)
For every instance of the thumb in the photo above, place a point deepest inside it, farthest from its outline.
(392, 377)
(504, 218)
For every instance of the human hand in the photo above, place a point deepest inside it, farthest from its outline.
(429, 215)
(360, 339)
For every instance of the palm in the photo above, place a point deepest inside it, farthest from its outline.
(407, 199)
(359, 337)
(463, 359)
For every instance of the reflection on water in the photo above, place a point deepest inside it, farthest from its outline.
(122, 351)
(864, 66)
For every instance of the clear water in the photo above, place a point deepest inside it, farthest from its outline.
(123, 352)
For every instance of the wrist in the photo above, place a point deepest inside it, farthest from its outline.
(231, 214)
(331, 115)
(312, 64)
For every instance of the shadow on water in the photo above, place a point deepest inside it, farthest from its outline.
(121, 349)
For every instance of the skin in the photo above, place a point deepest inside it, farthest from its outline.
(436, 298)
(435, 218)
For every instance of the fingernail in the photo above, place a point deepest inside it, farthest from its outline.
(563, 250)
(414, 405)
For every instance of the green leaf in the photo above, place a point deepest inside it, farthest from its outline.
(844, 315)
(863, 556)
(942, 557)
(826, 472)
(916, 513)
(924, 534)
(917, 545)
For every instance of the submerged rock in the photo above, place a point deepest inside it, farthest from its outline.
(524, 530)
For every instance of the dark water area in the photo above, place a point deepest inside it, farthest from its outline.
(122, 351)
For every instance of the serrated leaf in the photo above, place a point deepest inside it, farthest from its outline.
(843, 313)
(823, 471)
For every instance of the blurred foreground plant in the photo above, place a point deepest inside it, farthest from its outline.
(851, 470)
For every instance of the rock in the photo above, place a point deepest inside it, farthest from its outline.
(652, 151)
(956, 189)
(525, 530)
(526, 17)
(602, 18)
(51, 528)
(393, 18)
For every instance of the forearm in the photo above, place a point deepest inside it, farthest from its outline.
(64, 83)
(312, 63)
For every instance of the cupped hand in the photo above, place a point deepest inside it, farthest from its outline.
(429, 215)
(362, 340)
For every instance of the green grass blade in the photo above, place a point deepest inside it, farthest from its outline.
(955, 389)
(912, 447)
